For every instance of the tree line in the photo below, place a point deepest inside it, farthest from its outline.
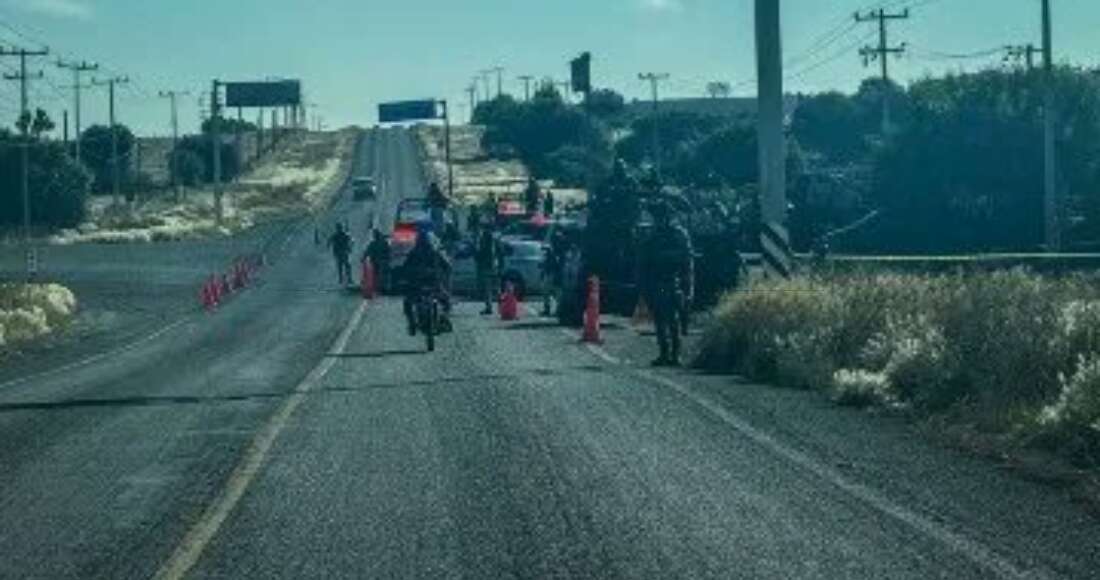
(59, 186)
(955, 166)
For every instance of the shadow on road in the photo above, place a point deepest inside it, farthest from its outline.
(534, 325)
(171, 400)
(377, 355)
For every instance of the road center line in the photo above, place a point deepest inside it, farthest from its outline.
(196, 540)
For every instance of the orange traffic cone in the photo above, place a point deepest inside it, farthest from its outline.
(592, 313)
(213, 292)
(204, 296)
(369, 284)
(509, 305)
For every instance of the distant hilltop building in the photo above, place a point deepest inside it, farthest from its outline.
(731, 107)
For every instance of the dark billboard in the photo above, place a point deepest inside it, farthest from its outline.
(263, 94)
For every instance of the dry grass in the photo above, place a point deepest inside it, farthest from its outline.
(1019, 352)
(298, 178)
(28, 312)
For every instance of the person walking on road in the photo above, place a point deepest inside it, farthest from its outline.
(341, 244)
(532, 197)
(666, 279)
(378, 252)
(485, 260)
(438, 204)
(553, 271)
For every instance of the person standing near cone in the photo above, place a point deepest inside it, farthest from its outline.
(666, 279)
(485, 260)
(341, 244)
(379, 254)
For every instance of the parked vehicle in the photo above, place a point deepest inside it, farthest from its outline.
(411, 214)
(522, 264)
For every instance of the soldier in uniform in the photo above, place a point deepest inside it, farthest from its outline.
(666, 279)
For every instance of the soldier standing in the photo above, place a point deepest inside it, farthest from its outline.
(666, 279)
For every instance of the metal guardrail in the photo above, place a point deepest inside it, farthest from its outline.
(1035, 261)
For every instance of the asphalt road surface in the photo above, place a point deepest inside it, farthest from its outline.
(299, 433)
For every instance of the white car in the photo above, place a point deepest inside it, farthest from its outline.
(522, 264)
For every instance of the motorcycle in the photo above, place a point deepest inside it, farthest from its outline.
(429, 318)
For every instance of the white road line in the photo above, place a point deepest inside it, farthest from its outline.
(98, 357)
(196, 540)
(970, 549)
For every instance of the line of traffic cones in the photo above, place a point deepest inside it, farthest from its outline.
(218, 287)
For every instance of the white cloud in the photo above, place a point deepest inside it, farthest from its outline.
(663, 5)
(78, 9)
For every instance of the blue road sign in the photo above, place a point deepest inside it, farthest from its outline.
(403, 111)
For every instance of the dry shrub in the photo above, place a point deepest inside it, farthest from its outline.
(1073, 421)
(861, 388)
(753, 326)
(999, 327)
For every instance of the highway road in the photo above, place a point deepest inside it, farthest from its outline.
(299, 433)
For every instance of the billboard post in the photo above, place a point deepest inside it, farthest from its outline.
(422, 110)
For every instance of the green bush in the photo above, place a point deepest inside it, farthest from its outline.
(58, 186)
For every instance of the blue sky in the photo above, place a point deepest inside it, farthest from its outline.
(351, 54)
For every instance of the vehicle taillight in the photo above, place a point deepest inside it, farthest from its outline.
(404, 234)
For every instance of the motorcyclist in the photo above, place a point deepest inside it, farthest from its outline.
(426, 269)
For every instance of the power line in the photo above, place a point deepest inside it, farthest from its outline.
(938, 55)
(655, 80)
(833, 57)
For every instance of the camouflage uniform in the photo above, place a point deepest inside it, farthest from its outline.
(666, 281)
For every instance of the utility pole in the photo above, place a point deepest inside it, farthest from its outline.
(774, 236)
(654, 80)
(484, 75)
(500, 79)
(216, 148)
(526, 86)
(1024, 52)
(472, 92)
(78, 68)
(447, 139)
(882, 53)
(171, 96)
(1051, 204)
(25, 126)
(116, 174)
